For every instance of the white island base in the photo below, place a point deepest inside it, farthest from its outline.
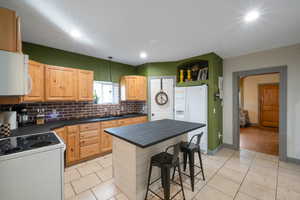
(131, 165)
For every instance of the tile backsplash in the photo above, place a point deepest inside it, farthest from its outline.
(72, 110)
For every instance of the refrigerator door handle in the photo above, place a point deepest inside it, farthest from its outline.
(187, 110)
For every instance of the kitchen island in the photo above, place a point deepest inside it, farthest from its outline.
(133, 147)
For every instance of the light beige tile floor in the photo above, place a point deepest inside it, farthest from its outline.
(230, 175)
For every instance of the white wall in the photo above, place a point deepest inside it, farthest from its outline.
(289, 56)
(250, 88)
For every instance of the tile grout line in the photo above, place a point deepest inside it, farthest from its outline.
(93, 193)
(75, 179)
(277, 180)
(213, 177)
(245, 178)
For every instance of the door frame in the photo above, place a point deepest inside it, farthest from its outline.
(282, 70)
(149, 91)
(259, 101)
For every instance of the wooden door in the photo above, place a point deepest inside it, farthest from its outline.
(72, 144)
(61, 83)
(85, 85)
(37, 76)
(269, 105)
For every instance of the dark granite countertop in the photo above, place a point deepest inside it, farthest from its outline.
(151, 133)
(58, 124)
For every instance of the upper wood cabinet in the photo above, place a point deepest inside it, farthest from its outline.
(85, 85)
(37, 82)
(10, 34)
(61, 83)
(133, 88)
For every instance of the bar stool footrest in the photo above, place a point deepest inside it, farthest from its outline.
(158, 195)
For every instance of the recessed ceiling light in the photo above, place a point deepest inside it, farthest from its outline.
(75, 34)
(143, 55)
(251, 16)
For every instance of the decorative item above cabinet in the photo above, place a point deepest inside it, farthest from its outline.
(133, 88)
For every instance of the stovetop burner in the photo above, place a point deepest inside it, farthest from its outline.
(24, 143)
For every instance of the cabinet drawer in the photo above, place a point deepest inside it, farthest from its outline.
(109, 124)
(89, 150)
(90, 126)
(140, 119)
(124, 122)
(72, 129)
(88, 134)
(89, 141)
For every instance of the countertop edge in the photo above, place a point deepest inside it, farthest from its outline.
(50, 126)
(153, 143)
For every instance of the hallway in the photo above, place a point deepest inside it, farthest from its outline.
(264, 140)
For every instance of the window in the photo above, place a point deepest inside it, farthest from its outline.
(106, 92)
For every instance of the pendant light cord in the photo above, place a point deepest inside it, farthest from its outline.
(110, 75)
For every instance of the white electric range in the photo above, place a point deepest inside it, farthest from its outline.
(32, 167)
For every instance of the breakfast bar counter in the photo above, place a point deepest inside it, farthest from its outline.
(133, 147)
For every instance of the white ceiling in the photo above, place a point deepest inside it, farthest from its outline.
(166, 29)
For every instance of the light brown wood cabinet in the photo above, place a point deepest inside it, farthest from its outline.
(133, 88)
(61, 83)
(85, 85)
(53, 83)
(88, 140)
(62, 133)
(72, 143)
(10, 34)
(37, 82)
(106, 139)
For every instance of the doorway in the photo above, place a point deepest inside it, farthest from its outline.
(161, 97)
(259, 113)
(268, 130)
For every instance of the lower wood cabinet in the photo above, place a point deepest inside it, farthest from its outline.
(106, 139)
(90, 150)
(72, 144)
(88, 140)
(61, 132)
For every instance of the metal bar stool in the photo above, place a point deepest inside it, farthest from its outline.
(189, 149)
(165, 161)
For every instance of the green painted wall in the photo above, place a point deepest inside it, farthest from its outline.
(158, 69)
(215, 70)
(52, 56)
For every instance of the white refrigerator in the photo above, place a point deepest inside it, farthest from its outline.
(191, 106)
